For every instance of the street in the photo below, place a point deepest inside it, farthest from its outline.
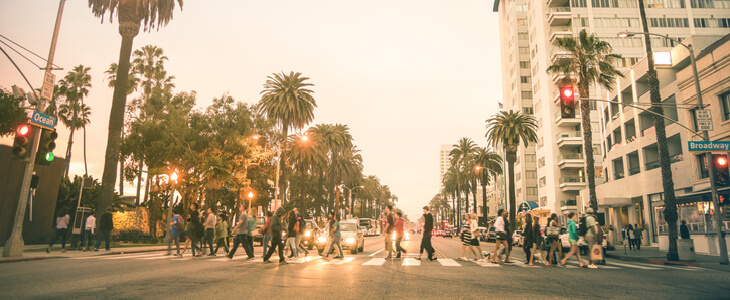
(366, 275)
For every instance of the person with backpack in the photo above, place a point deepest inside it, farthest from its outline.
(276, 227)
(573, 238)
(242, 234)
(291, 240)
(221, 233)
(594, 235)
(553, 234)
(176, 226)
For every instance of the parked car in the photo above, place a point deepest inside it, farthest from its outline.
(311, 233)
(517, 238)
(491, 235)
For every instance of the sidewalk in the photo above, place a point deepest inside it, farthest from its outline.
(652, 255)
(37, 252)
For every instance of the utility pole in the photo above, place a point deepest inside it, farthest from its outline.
(14, 245)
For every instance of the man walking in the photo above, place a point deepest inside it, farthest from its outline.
(241, 233)
(176, 227)
(426, 239)
(276, 227)
(594, 235)
(209, 224)
(300, 233)
(106, 224)
(389, 228)
(89, 230)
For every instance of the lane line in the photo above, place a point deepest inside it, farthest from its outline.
(376, 252)
(123, 256)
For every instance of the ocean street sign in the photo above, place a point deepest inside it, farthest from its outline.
(43, 120)
(712, 146)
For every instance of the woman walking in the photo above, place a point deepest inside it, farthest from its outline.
(221, 233)
(335, 236)
(528, 240)
(399, 232)
(553, 234)
(500, 227)
(61, 228)
(573, 237)
(537, 240)
(474, 243)
(266, 231)
(466, 238)
(631, 236)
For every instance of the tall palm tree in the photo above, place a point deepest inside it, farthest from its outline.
(452, 187)
(591, 61)
(460, 155)
(72, 112)
(149, 63)
(489, 165)
(508, 129)
(287, 100)
(131, 15)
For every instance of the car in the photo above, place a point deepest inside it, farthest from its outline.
(517, 238)
(351, 238)
(311, 233)
(491, 235)
(447, 233)
(260, 222)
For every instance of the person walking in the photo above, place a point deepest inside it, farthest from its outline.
(266, 231)
(537, 240)
(209, 224)
(553, 234)
(241, 233)
(276, 227)
(61, 230)
(195, 231)
(684, 230)
(528, 239)
(637, 237)
(104, 226)
(594, 235)
(399, 232)
(175, 227)
(335, 236)
(573, 238)
(300, 233)
(291, 240)
(631, 236)
(390, 227)
(474, 242)
(426, 238)
(89, 230)
(252, 228)
(221, 233)
(501, 227)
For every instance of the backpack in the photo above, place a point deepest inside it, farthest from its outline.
(582, 227)
(199, 230)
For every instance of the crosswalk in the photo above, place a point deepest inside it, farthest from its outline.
(371, 261)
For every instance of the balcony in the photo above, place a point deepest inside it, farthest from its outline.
(556, 3)
(569, 139)
(568, 122)
(571, 160)
(572, 183)
(558, 54)
(568, 204)
(560, 32)
(559, 16)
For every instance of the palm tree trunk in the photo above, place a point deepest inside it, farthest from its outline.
(474, 194)
(129, 23)
(484, 202)
(68, 151)
(511, 151)
(585, 114)
(121, 174)
(139, 181)
(670, 204)
(147, 187)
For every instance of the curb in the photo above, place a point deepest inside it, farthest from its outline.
(20, 259)
(655, 261)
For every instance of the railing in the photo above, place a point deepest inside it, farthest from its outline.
(559, 116)
(561, 30)
(569, 202)
(559, 9)
(634, 170)
(672, 159)
(563, 157)
(573, 134)
(572, 180)
(652, 165)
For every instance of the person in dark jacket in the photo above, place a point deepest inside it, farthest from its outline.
(426, 239)
(105, 226)
(277, 226)
(389, 228)
(684, 230)
(291, 241)
(528, 237)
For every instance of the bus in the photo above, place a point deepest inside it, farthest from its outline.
(370, 227)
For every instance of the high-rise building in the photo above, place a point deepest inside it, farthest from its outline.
(529, 32)
(444, 163)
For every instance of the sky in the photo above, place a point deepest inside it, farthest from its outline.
(406, 76)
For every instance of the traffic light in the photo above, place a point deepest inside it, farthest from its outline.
(567, 102)
(720, 168)
(21, 146)
(45, 148)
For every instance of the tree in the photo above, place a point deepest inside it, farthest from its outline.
(131, 15)
(591, 61)
(461, 154)
(73, 113)
(11, 113)
(489, 165)
(287, 100)
(508, 129)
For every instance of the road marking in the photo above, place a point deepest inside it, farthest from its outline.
(411, 262)
(687, 268)
(378, 261)
(485, 264)
(157, 257)
(305, 259)
(448, 262)
(339, 262)
(123, 256)
(376, 252)
(634, 266)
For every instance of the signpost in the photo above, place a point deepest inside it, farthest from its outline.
(704, 120)
(47, 89)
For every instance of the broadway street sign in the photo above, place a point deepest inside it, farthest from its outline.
(714, 146)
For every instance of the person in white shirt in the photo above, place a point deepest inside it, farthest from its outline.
(502, 237)
(89, 229)
(61, 228)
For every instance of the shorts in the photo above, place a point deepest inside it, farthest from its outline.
(573, 242)
(501, 236)
(474, 242)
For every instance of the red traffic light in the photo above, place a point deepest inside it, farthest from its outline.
(23, 130)
(721, 161)
(566, 93)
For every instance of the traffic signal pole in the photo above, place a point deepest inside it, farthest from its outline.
(14, 245)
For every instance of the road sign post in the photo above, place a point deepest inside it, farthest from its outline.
(704, 120)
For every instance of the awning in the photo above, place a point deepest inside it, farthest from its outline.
(702, 195)
(614, 202)
(526, 206)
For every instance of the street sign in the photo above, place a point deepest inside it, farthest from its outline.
(713, 146)
(704, 120)
(47, 88)
(43, 121)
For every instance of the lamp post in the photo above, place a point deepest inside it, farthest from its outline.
(250, 199)
(705, 137)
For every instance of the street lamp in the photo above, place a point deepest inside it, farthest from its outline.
(705, 136)
(250, 199)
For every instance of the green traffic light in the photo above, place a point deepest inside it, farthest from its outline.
(49, 156)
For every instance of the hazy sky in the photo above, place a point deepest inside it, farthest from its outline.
(405, 75)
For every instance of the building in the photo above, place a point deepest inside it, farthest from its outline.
(444, 163)
(529, 33)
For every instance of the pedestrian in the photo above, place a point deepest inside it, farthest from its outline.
(637, 237)
(426, 238)
(176, 227)
(528, 239)
(537, 240)
(553, 234)
(104, 226)
(195, 231)
(632, 237)
(266, 231)
(252, 228)
(684, 230)
(221, 232)
(501, 227)
(291, 240)
(390, 227)
(594, 235)
(276, 228)
(573, 238)
(89, 230)
(399, 232)
(61, 230)
(474, 242)
(241, 232)
(335, 237)
(209, 225)
(300, 233)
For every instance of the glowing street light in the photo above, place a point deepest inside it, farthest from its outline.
(250, 199)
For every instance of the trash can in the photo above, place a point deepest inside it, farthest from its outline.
(686, 249)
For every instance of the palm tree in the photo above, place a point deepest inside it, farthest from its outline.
(460, 156)
(72, 112)
(452, 187)
(508, 129)
(488, 165)
(591, 60)
(287, 100)
(131, 15)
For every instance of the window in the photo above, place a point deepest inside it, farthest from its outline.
(531, 174)
(704, 169)
(522, 36)
(543, 201)
(521, 21)
(530, 157)
(542, 182)
(527, 110)
(524, 50)
(526, 95)
(596, 149)
(518, 176)
(665, 4)
(668, 22)
(541, 162)
(525, 79)
(524, 64)
(725, 101)
(531, 191)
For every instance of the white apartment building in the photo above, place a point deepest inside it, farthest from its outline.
(529, 32)
(444, 163)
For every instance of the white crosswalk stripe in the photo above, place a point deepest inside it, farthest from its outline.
(447, 262)
(339, 261)
(378, 261)
(411, 262)
(635, 266)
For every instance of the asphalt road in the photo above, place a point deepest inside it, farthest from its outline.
(366, 275)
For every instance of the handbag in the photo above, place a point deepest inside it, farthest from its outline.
(553, 232)
(477, 234)
(596, 252)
